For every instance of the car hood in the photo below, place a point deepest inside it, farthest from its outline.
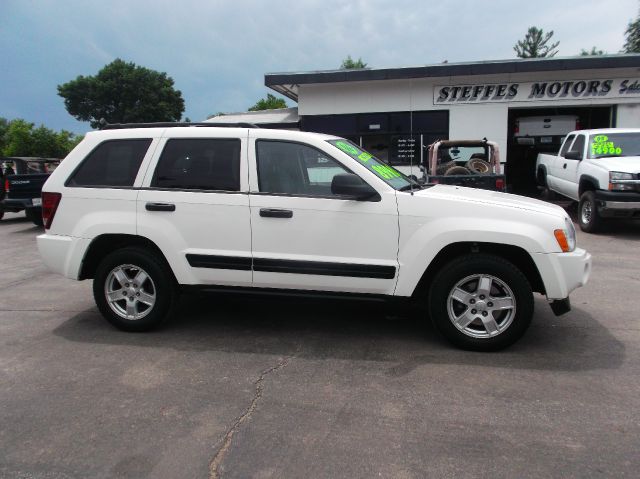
(626, 164)
(490, 198)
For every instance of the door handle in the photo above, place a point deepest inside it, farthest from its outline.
(275, 213)
(564, 166)
(160, 207)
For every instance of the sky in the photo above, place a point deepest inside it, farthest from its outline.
(218, 51)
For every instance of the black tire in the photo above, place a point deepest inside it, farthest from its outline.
(34, 216)
(465, 271)
(457, 170)
(541, 178)
(1, 211)
(162, 286)
(588, 217)
(478, 166)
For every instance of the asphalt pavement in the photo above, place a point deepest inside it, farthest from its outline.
(281, 388)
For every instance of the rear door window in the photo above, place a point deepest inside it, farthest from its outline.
(112, 163)
(199, 164)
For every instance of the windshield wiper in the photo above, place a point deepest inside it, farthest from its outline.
(411, 186)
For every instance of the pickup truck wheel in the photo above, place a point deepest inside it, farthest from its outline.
(134, 289)
(541, 178)
(588, 216)
(34, 216)
(481, 302)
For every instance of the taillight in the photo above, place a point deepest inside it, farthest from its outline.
(516, 129)
(50, 202)
(500, 184)
(578, 125)
(6, 186)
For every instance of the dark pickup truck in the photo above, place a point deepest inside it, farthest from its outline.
(472, 163)
(22, 181)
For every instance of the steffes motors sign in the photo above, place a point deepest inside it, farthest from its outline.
(536, 91)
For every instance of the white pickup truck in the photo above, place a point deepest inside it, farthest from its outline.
(598, 168)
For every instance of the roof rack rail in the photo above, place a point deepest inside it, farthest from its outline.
(173, 124)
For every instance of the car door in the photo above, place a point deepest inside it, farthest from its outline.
(567, 169)
(194, 205)
(306, 238)
(557, 162)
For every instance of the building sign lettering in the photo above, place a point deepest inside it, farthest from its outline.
(535, 91)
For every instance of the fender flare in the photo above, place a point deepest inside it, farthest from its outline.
(543, 169)
(589, 179)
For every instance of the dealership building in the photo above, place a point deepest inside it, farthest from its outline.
(386, 109)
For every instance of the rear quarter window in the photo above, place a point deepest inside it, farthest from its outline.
(112, 163)
(566, 145)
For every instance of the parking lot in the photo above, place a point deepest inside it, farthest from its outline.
(238, 387)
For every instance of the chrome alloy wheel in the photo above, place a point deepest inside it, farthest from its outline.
(481, 306)
(586, 212)
(130, 292)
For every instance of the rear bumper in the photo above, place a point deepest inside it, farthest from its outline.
(17, 204)
(62, 254)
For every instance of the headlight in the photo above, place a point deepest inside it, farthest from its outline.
(621, 181)
(566, 237)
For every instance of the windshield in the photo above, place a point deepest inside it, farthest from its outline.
(614, 144)
(387, 173)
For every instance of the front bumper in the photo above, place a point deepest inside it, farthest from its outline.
(561, 273)
(618, 203)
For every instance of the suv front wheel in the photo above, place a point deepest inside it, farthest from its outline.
(134, 289)
(481, 302)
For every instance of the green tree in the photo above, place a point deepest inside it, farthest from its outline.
(122, 92)
(535, 44)
(593, 52)
(351, 64)
(21, 138)
(17, 141)
(4, 126)
(632, 37)
(269, 103)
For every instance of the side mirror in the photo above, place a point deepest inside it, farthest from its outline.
(352, 186)
(573, 155)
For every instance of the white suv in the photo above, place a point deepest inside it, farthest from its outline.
(151, 210)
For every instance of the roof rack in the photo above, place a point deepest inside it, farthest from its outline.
(173, 124)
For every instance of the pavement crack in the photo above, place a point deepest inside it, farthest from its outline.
(216, 462)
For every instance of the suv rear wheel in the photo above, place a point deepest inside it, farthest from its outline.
(134, 289)
(481, 302)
